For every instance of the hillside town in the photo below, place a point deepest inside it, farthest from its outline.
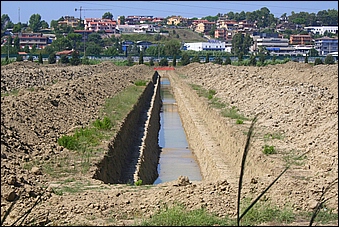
(277, 36)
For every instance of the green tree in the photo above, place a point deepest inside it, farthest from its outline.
(228, 61)
(40, 59)
(35, 22)
(122, 20)
(19, 58)
(174, 62)
(218, 60)
(313, 53)
(130, 60)
(318, 61)
(185, 59)
(74, 40)
(329, 60)
(306, 59)
(93, 49)
(107, 15)
(207, 60)
(34, 47)
(163, 62)
(151, 62)
(30, 58)
(196, 58)
(96, 39)
(241, 44)
(172, 48)
(64, 59)
(6, 22)
(75, 60)
(26, 49)
(274, 58)
(141, 58)
(253, 60)
(16, 44)
(52, 58)
(262, 58)
(44, 24)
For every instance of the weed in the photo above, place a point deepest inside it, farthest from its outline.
(239, 121)
(269, 149)
(138, 182)
(233, 113)
(292, 158)
(270, 136)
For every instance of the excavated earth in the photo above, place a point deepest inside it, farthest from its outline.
(295, 103)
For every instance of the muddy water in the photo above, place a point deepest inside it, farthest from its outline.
(176, 159)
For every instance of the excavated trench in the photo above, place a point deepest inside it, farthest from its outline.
(134, 153)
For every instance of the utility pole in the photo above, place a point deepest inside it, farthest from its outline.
(81, 9)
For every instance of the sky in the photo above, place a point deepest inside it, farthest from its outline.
(21, 11)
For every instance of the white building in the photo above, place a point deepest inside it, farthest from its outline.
(320, 30)
(211, 45)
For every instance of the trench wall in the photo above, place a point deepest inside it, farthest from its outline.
(203, 125)
(133, 154)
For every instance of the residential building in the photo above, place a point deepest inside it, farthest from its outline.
(326, 45)
(138, 28)
(320, 30)
(211, 45)
(175, 20)
(204, 27)
(272, 43)
(70, 21)
(31, 39)
(300, 40)
(223, 34)
(98, 24)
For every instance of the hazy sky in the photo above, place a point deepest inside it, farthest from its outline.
(53, 10)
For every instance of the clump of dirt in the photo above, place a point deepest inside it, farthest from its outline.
(297, 101)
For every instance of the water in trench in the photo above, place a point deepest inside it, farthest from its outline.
(176, 159)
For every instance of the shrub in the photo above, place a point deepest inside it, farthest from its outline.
(64, 59)
(163, 62)
(40, 58)
(218, 60)
(329, 60)
(228, 61)
(151, 62)
(104, 124)
(253, 60)
(75, 60)
(19, 58)
(68, 142)
(52, 59)
(318, 61)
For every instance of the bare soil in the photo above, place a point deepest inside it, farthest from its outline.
(296, 101)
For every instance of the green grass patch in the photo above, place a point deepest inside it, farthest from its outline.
(293, 158)
(140, 83)
(239, 121)
(179, 216)
(233, 113)
(265, 212)
(14, 92)
(271, 136)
